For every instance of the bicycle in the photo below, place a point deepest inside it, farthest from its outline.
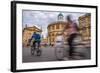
(35, 48)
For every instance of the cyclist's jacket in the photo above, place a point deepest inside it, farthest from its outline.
(36, 37)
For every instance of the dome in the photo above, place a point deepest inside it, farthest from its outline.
(60, 14)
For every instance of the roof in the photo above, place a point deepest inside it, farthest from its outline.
(84, 16)
(31, 28)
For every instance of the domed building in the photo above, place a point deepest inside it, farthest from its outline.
(56, 27)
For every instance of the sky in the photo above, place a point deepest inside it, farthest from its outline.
(42, 19)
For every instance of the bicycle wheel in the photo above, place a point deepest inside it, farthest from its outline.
(59, 53)
(32, 51)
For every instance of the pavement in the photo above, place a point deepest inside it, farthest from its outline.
(48, 54)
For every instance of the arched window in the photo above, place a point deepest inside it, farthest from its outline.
(53, 27)
(57, 26)
(52, 34)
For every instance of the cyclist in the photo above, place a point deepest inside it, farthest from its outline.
(36, 39)
(72, 32)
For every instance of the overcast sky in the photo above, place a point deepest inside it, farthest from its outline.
(43, 18)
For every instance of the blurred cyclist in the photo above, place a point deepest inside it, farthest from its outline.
(72, 33)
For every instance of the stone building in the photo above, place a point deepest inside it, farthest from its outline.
(56, 27)
(85, 26)
(27, 33)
